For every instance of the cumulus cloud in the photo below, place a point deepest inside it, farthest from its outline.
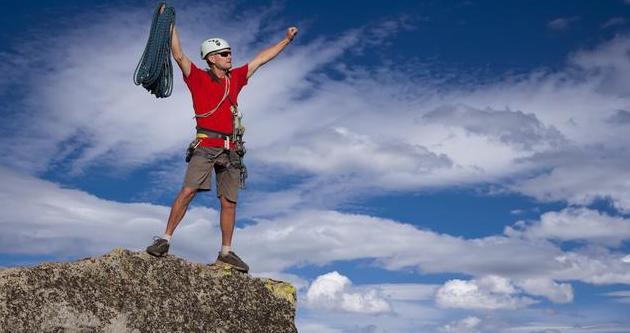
(576, 224)
(333, 291)
(581, 184)
(486, 293)
(552, 290)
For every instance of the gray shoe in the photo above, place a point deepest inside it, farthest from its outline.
(233, 260)
(159, 248)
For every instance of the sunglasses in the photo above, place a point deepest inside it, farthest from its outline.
(224, 54)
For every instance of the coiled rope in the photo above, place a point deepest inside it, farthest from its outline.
(155, 70)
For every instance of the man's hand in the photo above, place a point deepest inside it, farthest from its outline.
(291, 33)
(264, 56)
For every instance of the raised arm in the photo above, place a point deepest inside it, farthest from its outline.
(265, 55)
(176, 49)
(179, 56)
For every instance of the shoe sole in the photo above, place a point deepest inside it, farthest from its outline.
(156, 254)
(240, 269)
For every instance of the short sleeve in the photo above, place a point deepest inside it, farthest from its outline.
(194, 76)
(239, 76)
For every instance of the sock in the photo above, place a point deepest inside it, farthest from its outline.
(167, 237)
(225, 249)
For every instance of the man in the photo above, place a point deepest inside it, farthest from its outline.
(215, 101)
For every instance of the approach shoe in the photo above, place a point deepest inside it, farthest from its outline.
(159, 248)
(233, 260)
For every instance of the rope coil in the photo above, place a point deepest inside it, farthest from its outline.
(155, 70)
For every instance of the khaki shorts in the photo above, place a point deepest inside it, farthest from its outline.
(225, 164)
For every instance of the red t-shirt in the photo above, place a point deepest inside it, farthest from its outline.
(206, 94)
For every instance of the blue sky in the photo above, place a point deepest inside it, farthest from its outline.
(415, 166)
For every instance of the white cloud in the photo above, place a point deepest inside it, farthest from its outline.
(333, 291)
(43, 218)
(562, 23)
(338, 131)
(38, 219)
(310, 327)
(622, 296)
(581, 184)
(406, 316)
(607, 66)
(554, 135)
(94, 113)
(553, 327)
(405, 291)
(596, 266)
(507, 126)
(552, 290)
(469, 324)
(613, 22)
(487, 293)
(576, 224)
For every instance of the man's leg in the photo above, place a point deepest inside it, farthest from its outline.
(178, 209)
(228, 182)
(227, 220)
(161, 245)
(197, 178)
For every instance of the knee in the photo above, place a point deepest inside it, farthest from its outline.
(227, 204)
(187, 193)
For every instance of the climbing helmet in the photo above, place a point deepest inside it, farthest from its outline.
(213, 45)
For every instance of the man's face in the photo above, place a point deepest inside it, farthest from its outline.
(222, 59)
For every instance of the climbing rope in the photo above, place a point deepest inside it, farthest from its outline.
(155, 70)
(225, 95)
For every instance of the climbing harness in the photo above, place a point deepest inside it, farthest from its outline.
(229, 140)
(236, 137)
(155, 70)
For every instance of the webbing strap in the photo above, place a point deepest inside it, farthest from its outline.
(210, 133)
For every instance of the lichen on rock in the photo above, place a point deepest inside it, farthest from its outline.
(125, 291)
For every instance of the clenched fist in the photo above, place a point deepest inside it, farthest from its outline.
(291, 32)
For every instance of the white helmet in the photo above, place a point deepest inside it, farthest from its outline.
(213, 45)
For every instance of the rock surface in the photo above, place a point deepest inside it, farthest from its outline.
(124, 291)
